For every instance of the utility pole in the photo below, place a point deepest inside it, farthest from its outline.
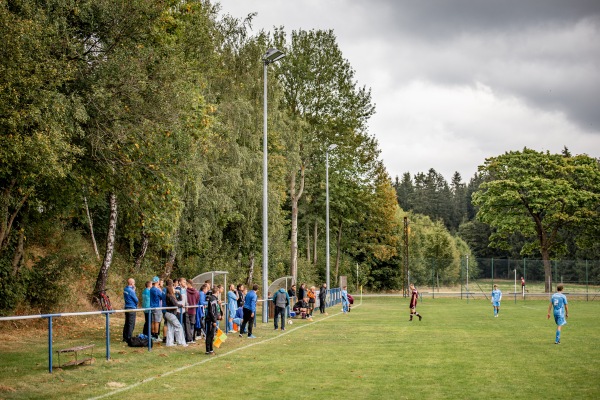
(405, 281)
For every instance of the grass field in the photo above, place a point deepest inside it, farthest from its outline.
(458, 351)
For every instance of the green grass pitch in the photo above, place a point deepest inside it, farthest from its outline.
(458, 351)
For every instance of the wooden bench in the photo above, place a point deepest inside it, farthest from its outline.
(76, 351)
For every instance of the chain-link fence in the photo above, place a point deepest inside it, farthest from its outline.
(476, 276)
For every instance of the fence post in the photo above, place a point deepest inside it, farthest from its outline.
(149, 330)
(587, 292)
(50, 343)
(107, 335)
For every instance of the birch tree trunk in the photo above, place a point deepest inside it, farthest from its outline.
(87, 211)
(294, 197)
(110, 245)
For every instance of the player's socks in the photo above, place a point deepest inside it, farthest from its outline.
(557, 336)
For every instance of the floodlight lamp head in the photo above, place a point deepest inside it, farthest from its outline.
(273, 55)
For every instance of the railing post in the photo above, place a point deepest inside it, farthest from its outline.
(149, 330)
(50, 344)
(107, 335)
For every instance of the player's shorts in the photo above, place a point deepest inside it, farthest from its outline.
(496, 303)
(157, 315)
(560, 320)
(412, 306)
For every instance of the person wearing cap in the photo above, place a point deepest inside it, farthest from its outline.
(156, 296)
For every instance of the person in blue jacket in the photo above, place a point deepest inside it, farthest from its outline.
(249, 311)
(201, 312)
(156, 299)
(131, 303)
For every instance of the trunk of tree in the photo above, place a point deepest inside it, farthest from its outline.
(547, 270)
(143, 249)
(307, 242)
(110, 245)
(315, 236)
(338, 252)
(170, 262)
(250, 271)
(294, 197)
(7, 219)
(87, 211)
(544, 245)
(19, 251)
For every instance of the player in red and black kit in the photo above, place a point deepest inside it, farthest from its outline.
(413, 302)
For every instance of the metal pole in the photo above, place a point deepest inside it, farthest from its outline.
(515, 286)
(327, 265)
(265, 216)
(107, 335)
(50, 344)
(587, 292)
(467, 279)
(524, 276)
(149, 330)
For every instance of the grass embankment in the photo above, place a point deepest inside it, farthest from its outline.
(458, 351)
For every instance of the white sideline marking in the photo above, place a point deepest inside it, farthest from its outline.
(210, 358)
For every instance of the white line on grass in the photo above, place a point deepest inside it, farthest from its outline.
(255, 343)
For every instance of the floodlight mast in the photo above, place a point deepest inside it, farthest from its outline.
(327, 260)
(270, 56)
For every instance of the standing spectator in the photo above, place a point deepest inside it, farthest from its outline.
(413, 302)
(241, 292)
(345, 301)
(523, 286)
(174, 329)
(193, 296)
(281, 300)
(161, 285)
(292, 292)
(156, 301)
(302, 291)
(183, 310)
(312, 299)
(201, 312)
(496, 298)
(559, 306)
(213, 316)
(232, 299)
(131, 303)
(249, 312)
(146, 304)
(323, 298)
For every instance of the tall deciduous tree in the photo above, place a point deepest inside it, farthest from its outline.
(541, 195)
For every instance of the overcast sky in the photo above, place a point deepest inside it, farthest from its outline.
(456, 81)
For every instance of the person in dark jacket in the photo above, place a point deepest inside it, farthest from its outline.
(302, 291)
(213, 315)
(323, 298)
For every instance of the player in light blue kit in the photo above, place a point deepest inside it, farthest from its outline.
(496, 298)
(558, 303)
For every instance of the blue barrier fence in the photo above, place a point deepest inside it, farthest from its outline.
(333, 298)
